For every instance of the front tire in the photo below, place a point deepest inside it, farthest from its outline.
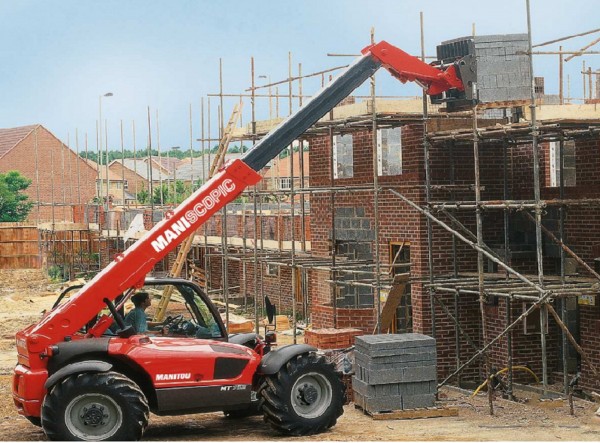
(36, 421)
(95, 407)
(305, 397)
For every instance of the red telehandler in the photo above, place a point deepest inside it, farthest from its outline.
(80, 381)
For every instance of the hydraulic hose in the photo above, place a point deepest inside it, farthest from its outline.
(501, 371)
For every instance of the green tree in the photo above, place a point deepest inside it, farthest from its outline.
(142, 196)
(161, 191)
(14, 205)
(181, 192)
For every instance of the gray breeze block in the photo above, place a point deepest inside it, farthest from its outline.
(417, 388)
(394, 402)
(418, 401)
(502, 70)
(394, 341)
(405, 375)
(395, 361)
(390, 403)
(408, 354)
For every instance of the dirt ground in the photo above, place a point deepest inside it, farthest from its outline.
(25, 294)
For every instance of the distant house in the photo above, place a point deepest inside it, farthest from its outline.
(137, 173)
(197, 170)
(118, 187)
(59, 178)
(165, 164)
(277, 177)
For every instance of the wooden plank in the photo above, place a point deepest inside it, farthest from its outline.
(411, 414)
(393, 300)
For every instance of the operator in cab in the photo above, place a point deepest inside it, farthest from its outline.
(137, 316)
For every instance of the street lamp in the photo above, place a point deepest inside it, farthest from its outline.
(108, 94)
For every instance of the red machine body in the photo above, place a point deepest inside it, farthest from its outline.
(408, 68)
(131, 267)
(179, 374)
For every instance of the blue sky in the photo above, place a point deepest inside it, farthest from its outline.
(58, 57)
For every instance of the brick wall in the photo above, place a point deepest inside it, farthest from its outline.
(135, 183)
(60, 177)
(397, 222)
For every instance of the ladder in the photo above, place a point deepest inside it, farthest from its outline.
(186, 245)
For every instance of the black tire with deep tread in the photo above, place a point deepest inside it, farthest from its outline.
(36, 421)
(128, 397)
(275, 396)
(237, 414)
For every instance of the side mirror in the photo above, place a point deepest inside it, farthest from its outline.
(271, 310)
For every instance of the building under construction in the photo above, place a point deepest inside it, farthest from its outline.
(474, 225)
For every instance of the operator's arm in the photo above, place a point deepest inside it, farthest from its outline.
(137, 318)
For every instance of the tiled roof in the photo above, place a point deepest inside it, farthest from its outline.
(186, 170)
(140, 167)
(168, 163)
(281, 166)
(10, 137)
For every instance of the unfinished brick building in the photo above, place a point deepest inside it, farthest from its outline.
(59, 178)
(336, 282)
(348, 229)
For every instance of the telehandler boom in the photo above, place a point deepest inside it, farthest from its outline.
(79, 382)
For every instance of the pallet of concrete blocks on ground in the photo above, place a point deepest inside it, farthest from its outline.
(395, 358)
(395, 372)
(384, 345)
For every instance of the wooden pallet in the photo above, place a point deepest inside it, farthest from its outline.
(411, 414)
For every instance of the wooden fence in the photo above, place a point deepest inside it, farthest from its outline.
(19, 246)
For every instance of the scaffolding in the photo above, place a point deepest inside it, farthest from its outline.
(538, 290)
(88, 250)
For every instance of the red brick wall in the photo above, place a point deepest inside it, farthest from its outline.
(135, 182)
(56, 177)
(398, 222)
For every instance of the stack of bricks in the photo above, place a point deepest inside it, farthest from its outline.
(331, 338)
(394, 372)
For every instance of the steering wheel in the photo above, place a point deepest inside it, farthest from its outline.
(172, 322)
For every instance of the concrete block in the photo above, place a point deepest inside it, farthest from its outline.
(344, 212)
(418, 401)
(405, 375)
(393, 403)
(390, 403)
(409, 357)
(394, 341)
(403, 355)
(418, 388)
(369, 366)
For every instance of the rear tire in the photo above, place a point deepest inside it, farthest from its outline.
(95, 407)
(305, 397)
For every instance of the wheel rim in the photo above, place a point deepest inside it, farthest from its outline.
(93, 417)
(311, 395)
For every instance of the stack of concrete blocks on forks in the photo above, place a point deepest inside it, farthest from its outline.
(498, 67)
(394, 372)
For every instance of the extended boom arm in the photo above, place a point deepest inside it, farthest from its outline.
(130, 268)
